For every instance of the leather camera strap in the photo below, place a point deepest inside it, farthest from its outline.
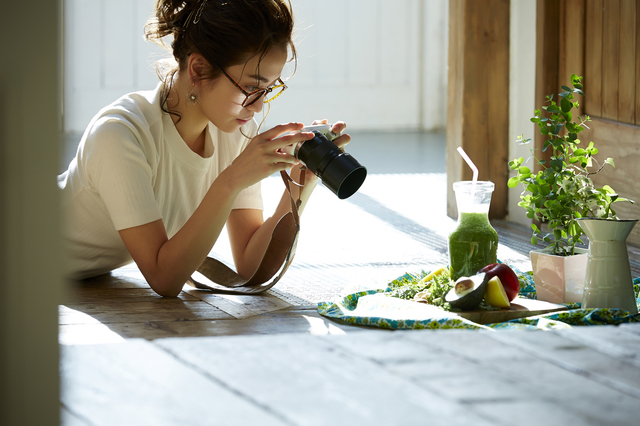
(217, 277)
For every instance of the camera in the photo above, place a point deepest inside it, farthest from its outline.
(337, 170)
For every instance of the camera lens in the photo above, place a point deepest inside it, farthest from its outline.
(339, 171)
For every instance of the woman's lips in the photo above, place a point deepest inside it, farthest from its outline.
(243, 122)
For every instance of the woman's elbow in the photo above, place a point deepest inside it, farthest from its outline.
(164, 287)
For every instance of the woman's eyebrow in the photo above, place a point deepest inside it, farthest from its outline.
(262, 79)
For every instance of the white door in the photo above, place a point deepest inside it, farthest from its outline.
(358, 61)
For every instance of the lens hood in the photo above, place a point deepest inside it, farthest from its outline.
(344, 176)
(339, 171)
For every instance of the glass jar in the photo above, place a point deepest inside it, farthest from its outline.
(474, 242)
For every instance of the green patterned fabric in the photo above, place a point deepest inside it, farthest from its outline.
(377, 309)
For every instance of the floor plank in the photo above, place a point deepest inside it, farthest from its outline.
(140, 311)
(240, 306)
(497, 379)
(137, 383)
(578, 358)
(306, 380)
(610, 340)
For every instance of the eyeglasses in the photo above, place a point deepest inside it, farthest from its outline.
(270, 93)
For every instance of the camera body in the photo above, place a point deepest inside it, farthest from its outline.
(337, 170)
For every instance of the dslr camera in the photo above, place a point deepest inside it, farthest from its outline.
(337, 170)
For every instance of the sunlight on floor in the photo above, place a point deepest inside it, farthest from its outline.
(320, 327)
(90, 332)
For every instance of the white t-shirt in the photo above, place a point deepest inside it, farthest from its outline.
(132, 167)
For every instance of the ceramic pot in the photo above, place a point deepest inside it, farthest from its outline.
(559, 279)
(608, 281)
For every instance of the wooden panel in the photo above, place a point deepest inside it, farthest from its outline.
(593, 58)
(637, 119)
(482, 111)
(628, 51)
(572, 43)
(610, 59)
(619, 141)
(548, 27)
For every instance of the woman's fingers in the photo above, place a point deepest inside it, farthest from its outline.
(339, 127)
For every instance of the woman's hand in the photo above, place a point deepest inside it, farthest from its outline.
(263, 156)
(337, 129)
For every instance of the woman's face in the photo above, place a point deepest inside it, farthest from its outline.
(221, 101)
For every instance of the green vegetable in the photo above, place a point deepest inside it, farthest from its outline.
(407, 286)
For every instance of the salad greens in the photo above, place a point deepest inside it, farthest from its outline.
(430, 288)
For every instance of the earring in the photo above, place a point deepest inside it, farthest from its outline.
(193, 97)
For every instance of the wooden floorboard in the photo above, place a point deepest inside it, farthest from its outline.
(444, 377)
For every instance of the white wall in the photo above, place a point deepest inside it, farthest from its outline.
(435, 35)
(373, 63)
(105, 55)
(522, 57)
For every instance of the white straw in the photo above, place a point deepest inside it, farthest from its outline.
(470, 163)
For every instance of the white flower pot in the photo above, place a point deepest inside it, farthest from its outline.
(559, 279)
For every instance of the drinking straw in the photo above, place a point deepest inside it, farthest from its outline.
(469, 163)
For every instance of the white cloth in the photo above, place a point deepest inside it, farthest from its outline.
(132, 167)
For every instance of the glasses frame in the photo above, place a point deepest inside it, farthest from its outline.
(266, 91)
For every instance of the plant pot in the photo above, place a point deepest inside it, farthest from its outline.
(559, 279)
(608, 281)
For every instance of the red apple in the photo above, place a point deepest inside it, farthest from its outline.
(508, 278)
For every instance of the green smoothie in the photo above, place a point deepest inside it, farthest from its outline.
(472, 245)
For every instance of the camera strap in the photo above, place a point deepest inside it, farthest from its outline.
(217, 277)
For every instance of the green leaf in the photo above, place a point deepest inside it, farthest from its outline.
(566, 105)
(610, 161)
(513, 182)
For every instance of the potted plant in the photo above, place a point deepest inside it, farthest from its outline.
(559, 193)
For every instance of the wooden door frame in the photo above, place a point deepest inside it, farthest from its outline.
(478, 97)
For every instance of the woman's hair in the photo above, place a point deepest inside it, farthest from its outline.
(224, 32)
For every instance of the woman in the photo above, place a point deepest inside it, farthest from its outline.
(158, 174)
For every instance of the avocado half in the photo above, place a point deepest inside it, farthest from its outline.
(473, 298)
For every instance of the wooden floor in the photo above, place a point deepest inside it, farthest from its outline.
(129, 356)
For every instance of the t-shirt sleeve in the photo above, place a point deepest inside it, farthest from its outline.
(250, 198)
(121, 173)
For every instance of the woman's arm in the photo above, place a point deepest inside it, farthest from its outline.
(167, 263)
(250, 235)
